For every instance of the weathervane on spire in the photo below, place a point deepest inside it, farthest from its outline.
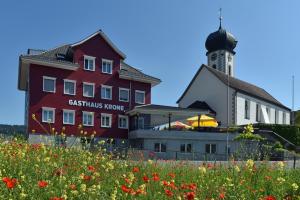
(220, 17)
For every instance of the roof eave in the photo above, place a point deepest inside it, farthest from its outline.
(25, 62)
(152, 81)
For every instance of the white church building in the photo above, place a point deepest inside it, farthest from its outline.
(234, 101)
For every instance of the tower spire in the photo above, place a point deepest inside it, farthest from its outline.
(220, 18)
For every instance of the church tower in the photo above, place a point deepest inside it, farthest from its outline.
(220, 50)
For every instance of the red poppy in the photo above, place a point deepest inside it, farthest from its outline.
(270, 197)
(56, 198)
(135, 169)
(10, 182)
(126, 189)
(91, 168)
(222, 196)
(87, 178)
(190, 195)
(169, 193)
(172, 175)
(42, 184)
(146, 179)
(155, 177)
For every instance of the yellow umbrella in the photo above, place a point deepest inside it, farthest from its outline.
(205, 121)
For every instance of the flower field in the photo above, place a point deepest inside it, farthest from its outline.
(41, 172)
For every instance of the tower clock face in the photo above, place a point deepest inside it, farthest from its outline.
(213, 57)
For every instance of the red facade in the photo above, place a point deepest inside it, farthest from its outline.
(101, 49)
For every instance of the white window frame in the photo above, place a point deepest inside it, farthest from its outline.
(210, 148)
(50, 78)
(110, 120)
(48, 109)
(126, 89)
(125, 117)
(86, 57)
(160, 147)
(109, 87)
(87, 83)
(71, 81)
(109, 61)
(284, 117)
(87, 112)
(135, 99)
(68, 111)
(186, 147)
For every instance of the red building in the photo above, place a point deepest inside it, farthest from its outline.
(84, 84)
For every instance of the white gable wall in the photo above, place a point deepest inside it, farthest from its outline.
(207, 87)
(240, 107)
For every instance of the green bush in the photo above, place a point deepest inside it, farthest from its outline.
(291, 133)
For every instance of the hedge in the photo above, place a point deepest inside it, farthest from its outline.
(291, 133)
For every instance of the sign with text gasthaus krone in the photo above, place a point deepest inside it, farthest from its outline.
(98, 105)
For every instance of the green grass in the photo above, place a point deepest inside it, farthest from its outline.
(78, 174)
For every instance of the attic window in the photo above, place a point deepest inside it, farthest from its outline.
(60, 56)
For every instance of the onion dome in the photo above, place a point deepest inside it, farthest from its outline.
(220, 40)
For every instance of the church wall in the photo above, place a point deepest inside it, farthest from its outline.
(253, 101)
(210, 89)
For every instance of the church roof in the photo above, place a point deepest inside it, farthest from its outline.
(239, 85)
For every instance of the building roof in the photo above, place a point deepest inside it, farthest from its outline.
(165, 110)
(104, 36)
(62, 57)
(128, 72)
(220, 40)
(202, 105)
(239, 85)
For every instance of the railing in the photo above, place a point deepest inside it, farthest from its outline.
(137, 154)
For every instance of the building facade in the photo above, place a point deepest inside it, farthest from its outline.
(82, 88)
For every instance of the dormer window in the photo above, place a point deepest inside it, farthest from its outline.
(107, 66)
(89, 63)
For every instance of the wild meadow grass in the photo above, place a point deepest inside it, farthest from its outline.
(56, 173)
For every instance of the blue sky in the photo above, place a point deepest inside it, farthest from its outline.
(163, 38)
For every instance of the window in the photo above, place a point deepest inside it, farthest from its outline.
(186, 148)
(211, 148)
(48, 115)
(229, 58)
(139, 97)
(87, 118)
(160, 147)
(276, 117)
(106, 92)
(214, 66)
(123, 122)
(123, 94)
(257, 112)
(283, 118)
(140, 123)
(107, 66)
(49, 84)
(106, 120)
(268, 111)
(229, 70)
(88, 89)
(69, 87)
(247, 109)
(69, 117)
(89, 63)
(213, 57)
